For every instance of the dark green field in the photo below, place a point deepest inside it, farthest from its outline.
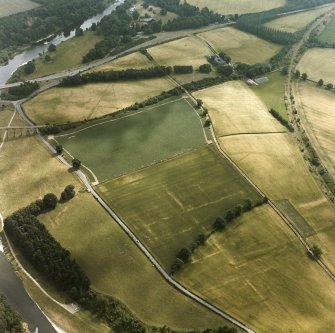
(328, 34)
(169, 204)
(122, 145)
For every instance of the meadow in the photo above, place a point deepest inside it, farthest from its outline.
(241, 46)
(234, 109)
(238, 6)
(118, 146)
(319, 64)
(258, 270)
(10, 7)
(59, 105)
(297, 22)
(117, 267)
(272, 93)
(169, 204)
(328, 34)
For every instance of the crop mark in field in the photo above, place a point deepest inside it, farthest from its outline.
(300, 223)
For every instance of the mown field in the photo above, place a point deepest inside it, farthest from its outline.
(328, 34)
(117, 267)
(258, 270)
(235, 109)
(319, 64)
(318, 105)
(169, 204)
(89, 101)
(272, 92)
(296, 22)
(240, 46)
(238, 6)
(137, 140)
(10, 7)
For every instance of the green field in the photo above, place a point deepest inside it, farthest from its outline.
(258, 271)
(135, 141)
(272, 93)
(328, 34)
(117, 267)
(10, 7)
(169, 204)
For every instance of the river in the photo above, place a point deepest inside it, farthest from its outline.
(33, 53)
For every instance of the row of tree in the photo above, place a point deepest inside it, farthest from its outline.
(10, 321)
(23, 90)
(283, 121)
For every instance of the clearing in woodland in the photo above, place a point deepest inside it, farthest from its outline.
(235, 109)
(296, 22)
(319, 64)
(60, 105)
(258, 270)
(241, 46)
(117, 146)
(10, 7)
(171, 203)
(238, 6)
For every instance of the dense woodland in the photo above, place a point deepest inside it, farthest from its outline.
(10, 321)
(22, 91)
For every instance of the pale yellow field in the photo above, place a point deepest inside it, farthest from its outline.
(258, 271)
(89, 101)
(9, 7)
(319, 64)
(318, 107)
(234, 108)
(238, 6)
(296, 22)
(240, 46)
(185, 51)
(133, 60)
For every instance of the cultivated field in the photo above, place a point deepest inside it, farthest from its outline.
(258, 271)
(185, 51)
(235, 109)
(240, 46)
(117, 267)
(317, 106)
(169, 204)
(137, 140)
(296, 22)
(328, 34)
(9, 7)
(272, 92)
(89, 101)
(238, 6)
(319, 64)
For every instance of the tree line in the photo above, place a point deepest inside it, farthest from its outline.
(283, 121)
(10, 320)
(23, 90)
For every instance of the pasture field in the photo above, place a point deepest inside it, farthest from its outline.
(272, 93)
(10, 7)
(118, 146)
(240, 46)
(328, 34)
(238, 6)
(297, 22)
(117, 267)
(258, 271)
(89, 101)
(169, 204)
(317, 106)
(184, 51)
(319, 64)
(235, 109)
(68, 54)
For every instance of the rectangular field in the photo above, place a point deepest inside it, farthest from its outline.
(257, 270)
(296, 22)
(238, 6)
(169, 204)
(10, 7)
(235, 109)
(319, 64)
(118, 146)
(89, 101)
(240, 46)
(328, 34)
